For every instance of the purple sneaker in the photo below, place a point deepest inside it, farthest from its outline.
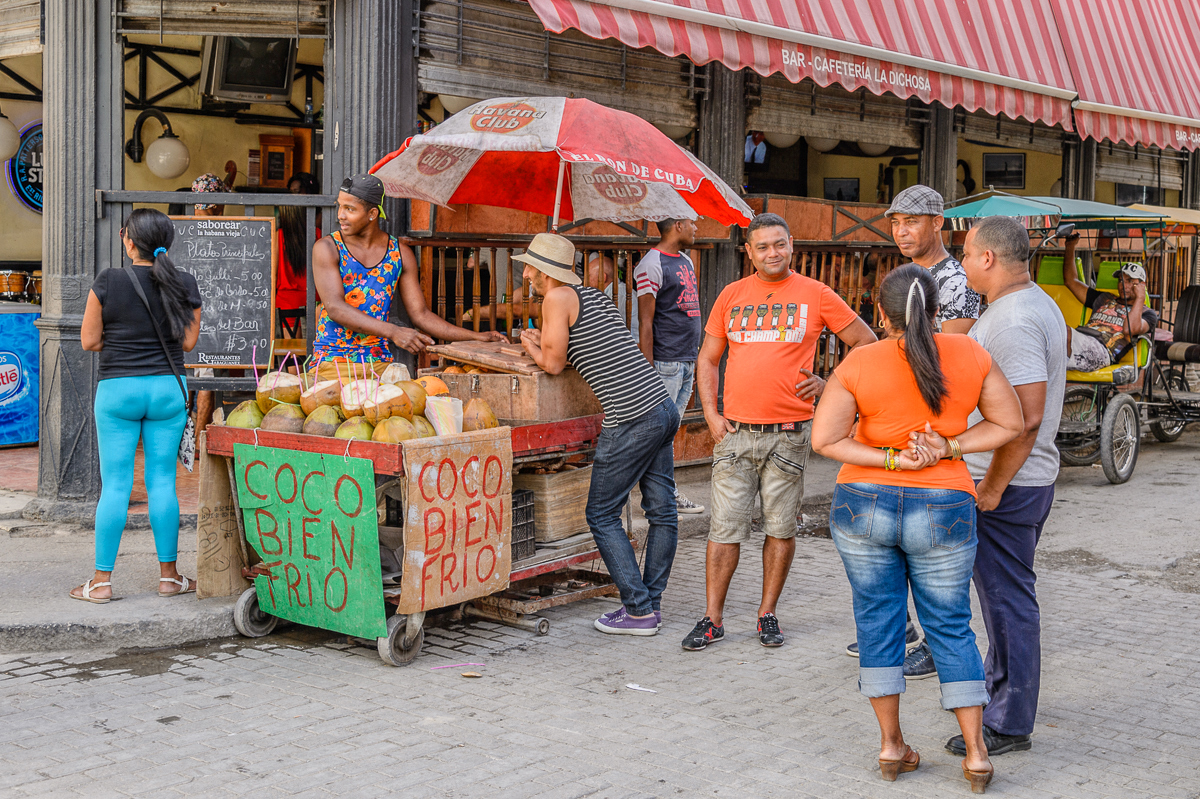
(620, 622)
(658, 619)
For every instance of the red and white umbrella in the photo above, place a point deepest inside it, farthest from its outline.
(565, 158)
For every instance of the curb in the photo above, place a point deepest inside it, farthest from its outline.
(144, 621)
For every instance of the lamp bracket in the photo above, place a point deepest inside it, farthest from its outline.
(133, 147)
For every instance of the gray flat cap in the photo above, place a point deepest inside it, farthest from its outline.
(917, 200)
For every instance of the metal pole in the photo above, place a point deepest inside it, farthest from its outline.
(562, 171)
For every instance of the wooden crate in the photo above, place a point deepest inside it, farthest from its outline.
(559, 501)
(522, 398)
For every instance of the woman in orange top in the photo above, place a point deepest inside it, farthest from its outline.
(903, 512)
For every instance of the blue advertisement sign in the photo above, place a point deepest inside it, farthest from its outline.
(18, 378)
(25, 170)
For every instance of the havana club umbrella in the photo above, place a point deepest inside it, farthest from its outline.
(566, 158)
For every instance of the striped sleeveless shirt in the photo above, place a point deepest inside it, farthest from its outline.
(601, 349)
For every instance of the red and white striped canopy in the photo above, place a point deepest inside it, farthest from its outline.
(1130, 69)
(1136, 66)
(1001, 56)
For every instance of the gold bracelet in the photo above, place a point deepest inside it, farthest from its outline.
(956, 453)
(889, 459)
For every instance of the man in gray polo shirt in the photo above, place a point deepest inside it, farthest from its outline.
(1024, 331)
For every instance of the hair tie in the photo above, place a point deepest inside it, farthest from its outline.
(916, 284)
(160, 251)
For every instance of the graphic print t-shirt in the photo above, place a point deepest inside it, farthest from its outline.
(955, 298)
(772, 330)
(671, 280)
(1110, 319)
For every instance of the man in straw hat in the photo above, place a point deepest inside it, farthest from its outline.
(580, 325)
(356, 270)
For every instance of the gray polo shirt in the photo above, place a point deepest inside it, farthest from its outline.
(1025, 333)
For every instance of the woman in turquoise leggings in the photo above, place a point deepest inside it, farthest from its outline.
(139, 396)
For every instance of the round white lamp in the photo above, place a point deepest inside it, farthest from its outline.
(10, 138)
(167, 157)
(873, 150)
(1056, 189)
(821, 144)
(782, 140)
(673, 132)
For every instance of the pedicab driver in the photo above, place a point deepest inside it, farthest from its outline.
(580, 325)
(1116, 320)
(356, 270)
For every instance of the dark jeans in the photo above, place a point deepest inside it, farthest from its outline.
(1004, 581)
(637, 453)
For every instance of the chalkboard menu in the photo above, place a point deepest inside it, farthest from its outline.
(233, 260)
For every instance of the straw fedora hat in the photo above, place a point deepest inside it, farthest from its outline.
(553, 256)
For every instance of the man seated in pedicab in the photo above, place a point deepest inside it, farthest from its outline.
(1116, 321)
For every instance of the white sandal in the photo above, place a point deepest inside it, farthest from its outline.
(88, 587)
(186, 586)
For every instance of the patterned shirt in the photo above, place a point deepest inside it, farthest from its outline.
(370, 290)
(955, 299)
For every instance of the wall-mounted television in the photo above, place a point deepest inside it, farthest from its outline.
(240, 69)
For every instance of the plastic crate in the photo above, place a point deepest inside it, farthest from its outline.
(523, 540)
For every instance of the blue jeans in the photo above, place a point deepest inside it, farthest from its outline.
(152, 409)
(637, 453)
(678, 377)
(892, 539)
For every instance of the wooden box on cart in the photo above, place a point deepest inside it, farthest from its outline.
(522, 392)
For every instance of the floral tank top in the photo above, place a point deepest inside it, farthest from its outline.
(370, 290)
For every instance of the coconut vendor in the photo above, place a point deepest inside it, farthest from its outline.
(636, 448)
(357, 271)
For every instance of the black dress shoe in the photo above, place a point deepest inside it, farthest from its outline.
(997, 743)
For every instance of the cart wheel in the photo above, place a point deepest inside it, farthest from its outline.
(395, 650)
(1167, 432)
(1120, 438)
(1080, 420)
(249, 618)
(543, 627)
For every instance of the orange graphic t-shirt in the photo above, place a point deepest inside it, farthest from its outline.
(890, 406)
(772, 331)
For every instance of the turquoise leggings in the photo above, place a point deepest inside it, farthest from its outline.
(152, 409)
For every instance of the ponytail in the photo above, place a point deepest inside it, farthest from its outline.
(909, 298)
(152, 234)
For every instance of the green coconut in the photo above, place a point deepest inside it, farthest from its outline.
(393, 430)
(284, 419)
(424, 427)
(355, 427)
(246, 416)
(323, 421)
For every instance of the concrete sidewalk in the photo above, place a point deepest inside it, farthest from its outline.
(40, 563)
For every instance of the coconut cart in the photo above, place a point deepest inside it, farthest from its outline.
(302, 526)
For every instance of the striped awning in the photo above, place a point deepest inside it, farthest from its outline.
(999, 56)
(1122, 70)
(1136, 66)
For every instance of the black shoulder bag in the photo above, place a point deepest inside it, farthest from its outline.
(187, 444)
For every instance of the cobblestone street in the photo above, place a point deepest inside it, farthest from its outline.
(303, 713)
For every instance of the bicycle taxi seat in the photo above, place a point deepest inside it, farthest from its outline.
(1050, 280)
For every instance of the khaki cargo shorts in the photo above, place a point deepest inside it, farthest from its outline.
(747, 465)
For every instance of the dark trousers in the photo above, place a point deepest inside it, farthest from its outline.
(1004, 581)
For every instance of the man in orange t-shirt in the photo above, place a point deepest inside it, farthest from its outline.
(770, 322)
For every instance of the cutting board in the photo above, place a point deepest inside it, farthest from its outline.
(496, 355)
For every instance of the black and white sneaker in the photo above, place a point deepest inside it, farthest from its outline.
(768, 631)
(918, 663)
(703, 634)
(911, 638)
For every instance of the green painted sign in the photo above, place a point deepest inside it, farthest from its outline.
(311, 518)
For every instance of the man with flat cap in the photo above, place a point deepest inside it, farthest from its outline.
(356, 270)
(580, 325)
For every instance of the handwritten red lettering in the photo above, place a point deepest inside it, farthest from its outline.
(439, 531)
(293, 585)
(452, 559)
(499, 476)
(453, 479)
(305, 535)
(483, 578)
(337, 543)
(246, 477)
(259, 515)
(337, 497)
(493, 517)
(304, 497)
(295, 484)
(467, 491)
(472, 517)
(421, 481)
(345, 590)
